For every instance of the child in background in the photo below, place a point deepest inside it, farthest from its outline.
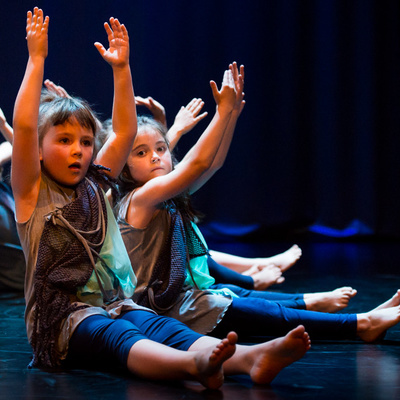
(238, 273)
(79, 281)
(169, 255)
(12, 262)
(251, 273)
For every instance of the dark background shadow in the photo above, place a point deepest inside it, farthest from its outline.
(316, 148)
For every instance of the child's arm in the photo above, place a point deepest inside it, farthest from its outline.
(118, 146)
(186, 119)
(5, 153)
(228, 135)
(146, 198)
(25, 166)
(156, 108)
(5, 128)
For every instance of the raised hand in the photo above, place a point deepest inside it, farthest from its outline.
(117, 55)
(238, 78)
(36, 33)
(187, 117)
(226, 97)
(56, 89)
(156, 108)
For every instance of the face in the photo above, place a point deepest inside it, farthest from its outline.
(66, 152)
(150, 156)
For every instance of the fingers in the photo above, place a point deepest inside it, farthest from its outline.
(58, 90)
(116, 30)
(215, 92)
(201, 116)
(228, 79)
(195, 105)
(100, 48)
(242, 71)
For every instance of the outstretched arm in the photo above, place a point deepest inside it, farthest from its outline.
(186, 119)
(25, 172)
(146, 198)
(227, 139)
(118, 146)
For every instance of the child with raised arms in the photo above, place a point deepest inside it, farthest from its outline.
(253, 275)
(79, 281)
(169, 255)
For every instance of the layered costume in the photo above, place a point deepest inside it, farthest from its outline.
(203, 306)
(79, 281)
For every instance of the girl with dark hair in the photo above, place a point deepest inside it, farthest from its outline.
(169, 254)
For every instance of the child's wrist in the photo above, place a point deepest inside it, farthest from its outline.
(121, 67)
(224, 110)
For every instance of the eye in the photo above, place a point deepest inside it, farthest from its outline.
(141, 153)
(64, 140)
(162, 149)
(87, 143)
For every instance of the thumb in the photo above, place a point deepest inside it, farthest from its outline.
(214, 89)
(100, 48)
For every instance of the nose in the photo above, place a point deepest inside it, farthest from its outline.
(155, 158)
(77, 149)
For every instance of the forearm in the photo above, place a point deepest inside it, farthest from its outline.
(26, 108)
(115, 152)
(226, 142)
(208, 144)
(174, 135)
(124, 108)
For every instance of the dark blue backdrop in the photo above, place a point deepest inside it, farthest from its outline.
(317, 146)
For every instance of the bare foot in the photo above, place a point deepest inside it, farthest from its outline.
(264, 277)
(209, 361)
(392, 302)
(284, 260)
(329, 302)
(372, 325)
(269, 358)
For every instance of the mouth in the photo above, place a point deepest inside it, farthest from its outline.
(75, 166)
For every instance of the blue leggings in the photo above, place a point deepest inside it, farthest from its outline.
(102, 341)
(243, 286)
(254, 317)
(284, 299)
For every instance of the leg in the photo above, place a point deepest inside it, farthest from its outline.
(262, 362)
(100, 341)
(371, 326)
(285, 299)
(152, 360)
(256, 317)
(252, 317)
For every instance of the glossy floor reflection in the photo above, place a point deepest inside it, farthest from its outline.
(330, 370)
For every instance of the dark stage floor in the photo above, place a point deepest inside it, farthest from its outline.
(330, 370)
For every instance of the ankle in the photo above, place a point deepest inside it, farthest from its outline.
(363, 322)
